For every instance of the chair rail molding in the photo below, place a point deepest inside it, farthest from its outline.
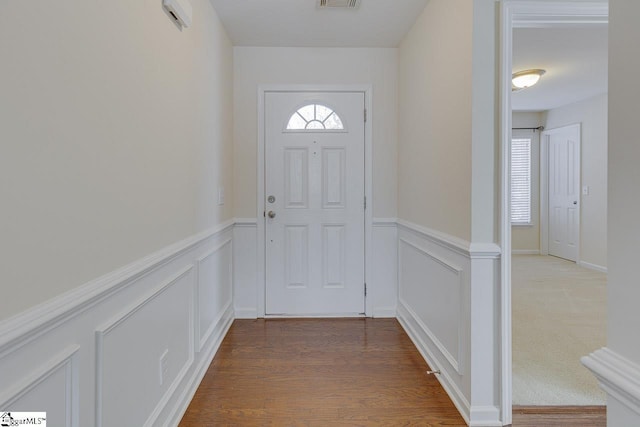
(447, 296)
(618, 376)
(149, 308)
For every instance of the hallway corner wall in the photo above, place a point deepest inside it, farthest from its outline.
(617, 366)
(448, 261)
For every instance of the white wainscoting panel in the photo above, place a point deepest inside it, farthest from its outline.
(214, 290)
(126, 346)
(433, 292)
(245, 269)
(143, 352)
(52, 389)
(382, 269)
(447, 290)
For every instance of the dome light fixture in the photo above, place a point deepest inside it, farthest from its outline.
(526, 78)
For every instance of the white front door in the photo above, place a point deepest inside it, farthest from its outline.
(314, 207)
(564, 191)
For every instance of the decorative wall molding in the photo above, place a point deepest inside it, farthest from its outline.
(89, 326)
(245, 222)
(203, 338)
(20, 329)
(66, 361)
(453, 243)
(385, 222)
(484, 251)
(475, 265)
(245, 269)
(119, 320)
(187, 393)
(454, 361)
(456, 244)
(417, 333)
(618, 376)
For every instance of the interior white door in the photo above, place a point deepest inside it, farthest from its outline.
(564, 191)
(314, 190)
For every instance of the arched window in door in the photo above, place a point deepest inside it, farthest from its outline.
(314, 117)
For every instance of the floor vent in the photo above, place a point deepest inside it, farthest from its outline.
(345, 4)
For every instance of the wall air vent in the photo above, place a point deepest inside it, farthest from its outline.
(345, 4)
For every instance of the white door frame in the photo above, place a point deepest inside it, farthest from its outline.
(368, 179)
(544, 189)
(519, 14)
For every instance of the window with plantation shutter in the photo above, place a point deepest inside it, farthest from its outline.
(521, 181)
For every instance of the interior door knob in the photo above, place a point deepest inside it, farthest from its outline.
(575, 202)
(271, 214)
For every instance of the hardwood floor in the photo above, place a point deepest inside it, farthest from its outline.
(319, 372)
(335, 372)
(559, 416)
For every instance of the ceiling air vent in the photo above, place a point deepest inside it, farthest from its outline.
(346, 4)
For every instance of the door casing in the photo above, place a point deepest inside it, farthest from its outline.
(260, 167)
(523, 14)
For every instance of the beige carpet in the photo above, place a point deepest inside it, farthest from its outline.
(559, 315)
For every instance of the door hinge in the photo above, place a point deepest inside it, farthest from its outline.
(365, 202)
(264, 214)
(365, 289)
(365, 115)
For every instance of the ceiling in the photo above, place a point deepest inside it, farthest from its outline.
(575, 60)
(299, 23)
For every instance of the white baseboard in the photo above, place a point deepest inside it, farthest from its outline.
(525, 252)
(384, 313)
(618, 377)
(591, 266)
(246, 313)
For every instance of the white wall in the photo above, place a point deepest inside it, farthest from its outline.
(116, 133)
(320, 66)
(624, 210)
(617, 366)
(526, 238)
(447, 181)
(434, 127)
(591, 114)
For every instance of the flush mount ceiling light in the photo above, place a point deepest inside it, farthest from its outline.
(345, 4)
(526, 78)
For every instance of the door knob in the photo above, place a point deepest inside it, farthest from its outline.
(575, 202)
(271, 214)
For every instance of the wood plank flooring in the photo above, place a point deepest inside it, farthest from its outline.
(559, 416)
(332, 372)
(319, 372)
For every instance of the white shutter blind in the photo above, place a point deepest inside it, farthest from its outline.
(521, 181)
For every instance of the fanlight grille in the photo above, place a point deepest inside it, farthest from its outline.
(347, 4)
